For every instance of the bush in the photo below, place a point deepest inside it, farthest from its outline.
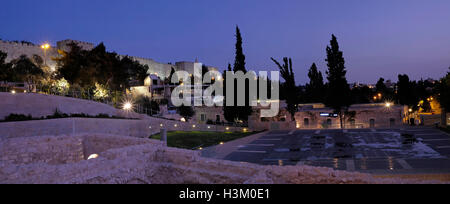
(57, 114)
(210, 122)
(17, 117)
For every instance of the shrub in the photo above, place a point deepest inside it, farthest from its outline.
(210, 122)
(17, 117)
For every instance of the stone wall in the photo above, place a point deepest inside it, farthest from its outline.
(16, 49)
(148, 161)
(154, 125)
(133, 128)
(366, 117)
(41, 105)
(156, 68)
(50, 150)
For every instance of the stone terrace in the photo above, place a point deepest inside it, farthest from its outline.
(127, 160)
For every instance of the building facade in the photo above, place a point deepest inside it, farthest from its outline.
(317, 116)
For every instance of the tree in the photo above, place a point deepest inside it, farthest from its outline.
(405, 95)
(88, 69)
(239, 60)
(443, 90)
(5, 68)
(338, 94)
(70, 64)
(287, 74)
(238, 113)
(315, 89)
(27, 71)
(381, 87)
(361, 94)
(187, 112)
(151, 107)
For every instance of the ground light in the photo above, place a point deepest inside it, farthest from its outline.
(93, 156)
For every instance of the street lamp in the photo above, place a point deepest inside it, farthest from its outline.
(45, 47)
(388, 105)
(127, 106)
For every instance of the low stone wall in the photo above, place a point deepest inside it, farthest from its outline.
(134, 128)
(154, 126)
(147, 161)
(50, 150)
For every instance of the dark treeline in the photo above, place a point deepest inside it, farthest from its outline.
(333, 89)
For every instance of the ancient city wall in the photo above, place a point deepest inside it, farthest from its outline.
(147, 161)
(16, 49)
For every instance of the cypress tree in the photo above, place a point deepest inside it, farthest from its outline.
(338, 94)
(235, 112)
(315, 88)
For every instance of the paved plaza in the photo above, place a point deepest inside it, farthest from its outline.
(407, 150)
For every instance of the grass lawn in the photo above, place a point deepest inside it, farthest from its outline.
(446, 129)
(196, 139)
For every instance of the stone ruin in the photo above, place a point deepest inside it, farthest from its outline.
(109, 159)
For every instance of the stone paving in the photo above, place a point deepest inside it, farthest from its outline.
(406, 150)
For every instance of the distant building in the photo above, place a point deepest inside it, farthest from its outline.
(317, 116)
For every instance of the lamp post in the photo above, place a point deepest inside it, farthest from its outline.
(45, 47)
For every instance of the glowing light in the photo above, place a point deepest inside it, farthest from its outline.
(13, 92)
(388, 105)
(221, 143)
(161, 125)
(200, 148)
(92, 156)
(245, 130)
(379, 95)
(175, 125)
(227, 128)
(127, 106)
(100, 91)
(410, 110)
(183, 119)
(209, 127)
(193, 126)
(297, 126)
(45, 46)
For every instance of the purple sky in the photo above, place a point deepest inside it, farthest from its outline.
(380, 38)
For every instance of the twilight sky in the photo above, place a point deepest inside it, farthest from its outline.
(380, 38)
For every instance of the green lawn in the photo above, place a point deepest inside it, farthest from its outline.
(446, 129)
(196, 139)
